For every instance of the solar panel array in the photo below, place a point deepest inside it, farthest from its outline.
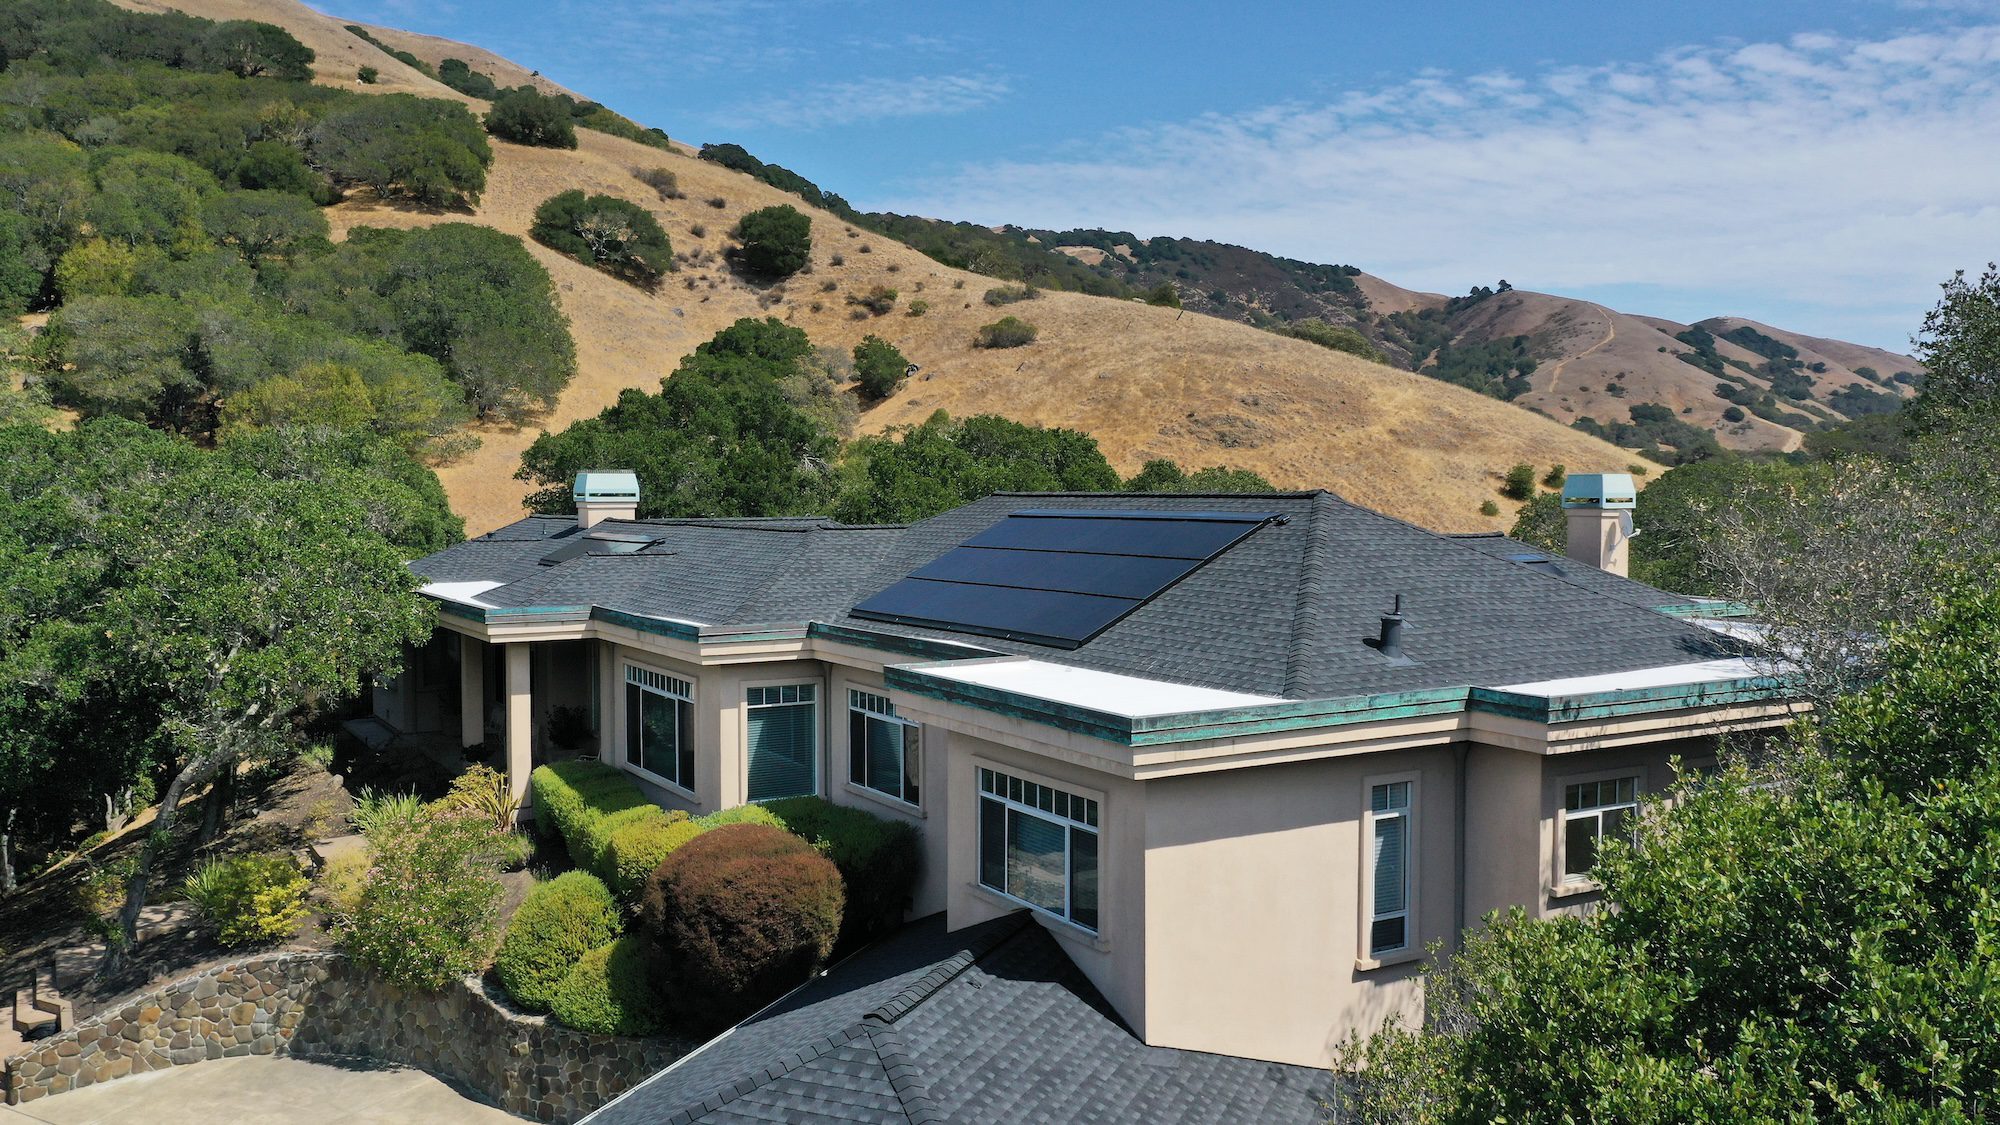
(1058, 577)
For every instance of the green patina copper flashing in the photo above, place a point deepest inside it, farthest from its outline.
(678, 630)
(890, 642)
(1630, 701)
(1718, 610)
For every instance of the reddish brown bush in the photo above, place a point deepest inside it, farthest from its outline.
(740, 914)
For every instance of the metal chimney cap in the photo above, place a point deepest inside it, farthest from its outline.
(607, 485)
(1600, 490)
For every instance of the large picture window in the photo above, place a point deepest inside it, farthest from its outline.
(1389, 882)
(1593, 810)
(1038, 844)
(884, 752)
(659, 725)
(783, 741)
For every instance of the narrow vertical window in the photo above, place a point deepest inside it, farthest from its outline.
(1592, 811)
(1388, 842)
(659, 725)
(884, 751)
(783, 741)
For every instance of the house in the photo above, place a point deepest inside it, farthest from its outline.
(1241, 758)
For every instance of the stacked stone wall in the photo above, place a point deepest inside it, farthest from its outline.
(323, 1005)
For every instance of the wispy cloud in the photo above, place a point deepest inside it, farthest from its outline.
(869, 99)
(1840, 178)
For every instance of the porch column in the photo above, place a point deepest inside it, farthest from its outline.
(520, 722)
(471, 690)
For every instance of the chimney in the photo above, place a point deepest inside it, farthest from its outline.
(602, 495)
(1598, 507)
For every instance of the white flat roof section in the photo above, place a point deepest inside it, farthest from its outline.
(1670, 675)
(1129, 696)
(465, 593)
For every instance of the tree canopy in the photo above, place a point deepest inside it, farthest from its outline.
(777, 241)
(922, 470)
(615, 235)
(526, 116)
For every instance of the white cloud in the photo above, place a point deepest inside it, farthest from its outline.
(1837, 178)
(869, 99)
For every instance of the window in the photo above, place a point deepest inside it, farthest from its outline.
(1388, 876)
(659, 725)
(1593, 810)
(783, 741)
(883, 751)
(1038, 844)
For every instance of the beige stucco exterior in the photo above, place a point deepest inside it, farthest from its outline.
(1232, 879)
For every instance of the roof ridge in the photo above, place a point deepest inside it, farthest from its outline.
(1314, 574)
(905, 1077)
(945, 971)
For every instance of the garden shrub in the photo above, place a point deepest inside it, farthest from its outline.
(638, 849)
(430, 909)
(563, 793)
(559, 922)
(611, 991)
(590, 849)
(877, 858)
(1007, 332)
(250, 899)
(341, 884)
(741, 914)
(741, 814)
(483, 791)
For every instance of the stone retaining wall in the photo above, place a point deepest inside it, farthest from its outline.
(321, 1004)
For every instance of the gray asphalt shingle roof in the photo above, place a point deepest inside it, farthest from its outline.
(1285, 612)
(993, 1023)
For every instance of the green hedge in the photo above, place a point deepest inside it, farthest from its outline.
(573, 799)
(877, 858)
(559, 922)
(611, 991)
(741, 814)
(638, 849)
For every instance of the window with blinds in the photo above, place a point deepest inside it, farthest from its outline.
(659, 725)
(783, 744)
(884, 752)
(1388, 841)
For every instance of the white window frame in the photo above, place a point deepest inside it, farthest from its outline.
(665, 690)
(913, 733)
(1096, 800)
(1579, 882)
(819, 725)
(1411, 948)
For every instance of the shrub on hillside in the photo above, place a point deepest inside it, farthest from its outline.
(1008, 294)
(1336, 338)
(618, 237)
(428, 150)
(777, 241)
(877, 858)
(611, 991)
(638, 849)
(879, 367)
(1007, 332)
(878, 300)
(661, 180)
(430, 909)
(741, 914)
(1519, 483)
(559, 922)
(1164, 295)
(250, 899)
(526, 116)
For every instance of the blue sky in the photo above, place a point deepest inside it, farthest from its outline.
(1820, 166)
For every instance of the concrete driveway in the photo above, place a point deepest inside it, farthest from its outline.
(262, 1088)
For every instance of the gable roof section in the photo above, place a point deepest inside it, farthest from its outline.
(993, 1023)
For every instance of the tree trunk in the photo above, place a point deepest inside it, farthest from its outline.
(117, 809)
(191, 775)
(7, 854)
(215, 813)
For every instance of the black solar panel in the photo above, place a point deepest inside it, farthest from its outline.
(1057, 577)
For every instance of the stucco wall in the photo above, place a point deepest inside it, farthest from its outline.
(321, 1004)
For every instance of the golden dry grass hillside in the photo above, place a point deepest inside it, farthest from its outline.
(1146, 382)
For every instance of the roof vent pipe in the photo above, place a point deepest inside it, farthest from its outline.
(1391, 642)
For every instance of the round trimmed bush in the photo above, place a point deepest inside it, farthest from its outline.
(741, 913)
(611, 991)
(777, 241)
(559, 922)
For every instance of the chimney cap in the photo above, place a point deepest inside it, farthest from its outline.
(1599, 490)
(607, 485)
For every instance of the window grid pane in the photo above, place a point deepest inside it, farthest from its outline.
(1033, 853)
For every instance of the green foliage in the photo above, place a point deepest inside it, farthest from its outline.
(611, 991)
(1007, 332)
(1855, 401)
(1519, 483)
(377, 811)
(1498, 368)
(460, 76)
(1008, 294)
(1656, 432)
(618, 237)
(1554, 478)
(742, 913)
(404, 57)
(430, 908)
(740, 814)
(1007, 253)
(248, 49)
(1337, 338)
(265, 224)
(1488, 508)
(526, 116)
(250, 899)
(367, 75)
(401, 496)
(919, 471)
(1885, 436)
(725, 436)
(777, 241)
(1164, 294)
(482, 791)
(879, 367)
(427, 150)
(1540, 523)
(877, 858)
(1679, 511)
(571, 798)
(1161, 475)
(1819, 949)
(637, 849)
(784, 179)
(878, 299)
(556, 925)
(21, 282)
